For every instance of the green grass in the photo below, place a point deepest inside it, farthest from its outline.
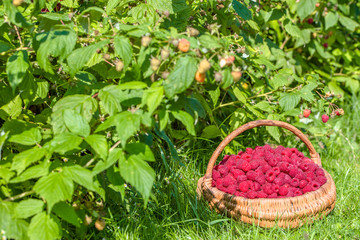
(177, 214)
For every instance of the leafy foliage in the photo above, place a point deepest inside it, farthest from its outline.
(94, 94)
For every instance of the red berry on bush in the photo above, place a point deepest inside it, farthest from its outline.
(310, 20)
(184, 45)
(307, 113)
(326, 45)
(325, 118)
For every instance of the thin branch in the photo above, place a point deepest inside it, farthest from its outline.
(89, 163)
(18, 34)
(21, 195)
(284, 43)
(115, 145)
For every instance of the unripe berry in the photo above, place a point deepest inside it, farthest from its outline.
(236, 75)
(317, 5)
(204, 66)
(307, 113)
(339, 112)
(184, 45)
(119, 66)
(165, 75)
(230, 60)
(164, 53)
(166, 13)
(100, 224)
(326, 45)
(145, 41)
(301, 115)
(175, 42)
(106, 56)
(325, 118)
(87, 220)
(245, 85)
(155, 63)
(17, 3)
(218, 77)
(192, 32)
(222, 62)
(310, 20)
(199, 77)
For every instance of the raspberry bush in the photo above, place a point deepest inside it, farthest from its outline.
(94, 93)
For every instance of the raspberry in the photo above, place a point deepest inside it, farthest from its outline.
(295, 182)
(279, 181)
(265, 168)
(273, 162)
(251, 175)
(304, 166)
(276, 171)
(294, 150)
(285, 159)
(320, 172)
(259, 172)
(287, 178)
(279, 149)
(249, 150)
(273, 195)
(270, 176)
(315, 185)
(303, 183)
(231, 162)
(224, 170)
(231, 189)
(226, 157)
(239, 163)
(283, 191)
(236, 172)
(307, 188)
(215, 175)
(261, 194)
(293, 172)
(261, 179)
(246, 157)
(275, 188)
(228, 180)
(313, 167)
(300, 176)
(321, 179)
(254, 164)
(213, 183)
(310, 21)
(298, 192)
(256, 186)
(284, 167)
(286, 153)
(307, 160)
(325, 117)
(251, 194)
(241, 178)
(267, 188)
(300, 155)
(239, 153)
(310, 175)
(245, 166)
(219, 182)
(290, 192)
(244, 186)
(307, 111)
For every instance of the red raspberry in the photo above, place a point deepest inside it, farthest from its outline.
(251, 175)
(285, 159)
(213, 183)
(300, 155)
(290, 193)
(244, 186)
(261, 179)
(279, 149)
(226, 157)
(307, 188)
(307, 160)
(325, 117)
(267, 188)
(236, 172)
(261, 194)
(283, 191)
(287, 152)
(240, 194)
(254, 164)
(256, 186)
(307, 111)
(246, 157)
(251, 194)
(295, 182)
(239, 163)
(310, 175)
(284, 167)
(270, 176)
(273, 195)
(259, 172)
(275, 188)
(265, 168)
(231, 161)
(293, 172)
(287, 178)
(267, 147)
(240, 153)
(231, 189)
(294, 150)
(321, 179)
(304, 166)
(245, 166)
(228, 180)
(320, 172)
(300, 176)
(298, 192)
(249, 150)
(219, 182)
(279, 181)
(273, 162)
(315, 185)
(224, 170)
(276, 170)
(215, 175)
(303, 183)
(241, 178)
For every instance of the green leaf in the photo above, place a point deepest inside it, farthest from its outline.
(331, 20)
(152, 98)
(264, 106)
(114, 155)
(63, 143)
(214, 94)
(209, 41)
(263, 61)
(76, 123)
(228, 80)
(123, 49)
(274, 14)
(138, 173)
(242, 10)
(33, 172)
(307, 95)
(28, 208)
(43, 227)
(348, 23)
(57, 43)
(16, 68)
(305, 7)
(25, 158)
(281, 78)
(67, 212)
(292, 29)
(240, 95)
(164, 118)
(289, 100)
(254, 111)
(12, 109)
(253, 25)
(141, 151)
(181, 77)
(14, 15)
(28, 137)
(111, 97)
(13, 228)
(54, 187)
(186, 119)
(132, 85)
(81, 56)
(99, 144)
(274, 131)
(5, 46)
(211, 131)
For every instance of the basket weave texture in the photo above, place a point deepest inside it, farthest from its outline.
(288, 212)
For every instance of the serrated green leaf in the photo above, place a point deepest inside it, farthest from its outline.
(14, 15)
(12, 109)
(253, 25)
(164, 118)
(16, 68)
(123, 49)
(76, 123)
(63, 143)
(186, 119)
(305, 7)
(111, 97)
(99, 144)
(54, 188)
(264, 106)
(254, 111)
(331, 20)
(307, 95)
(13, 228)
(348, 23)
(240, 95)
(227, 80)
(113, 157)
(181, 77)
(211, 131)
(152, 98)
(214, 94)
(263, 61)
(140, 150)
(37, 171)
(132, 85)
(274, 14)
(43, 227)
(66, 212)
(281, 78)
(289, 100)
(292, 29)
(28, 137)
(210, 42)
(28, 208)
(242, 10)
(25, 158)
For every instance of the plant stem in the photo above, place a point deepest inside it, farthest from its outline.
(21, 195)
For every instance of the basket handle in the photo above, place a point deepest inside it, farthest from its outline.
(313, 154)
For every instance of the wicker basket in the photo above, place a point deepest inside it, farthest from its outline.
(288, 212)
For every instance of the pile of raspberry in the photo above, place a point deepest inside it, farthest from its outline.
(265, 172)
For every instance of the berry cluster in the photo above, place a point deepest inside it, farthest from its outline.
(265, 172)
